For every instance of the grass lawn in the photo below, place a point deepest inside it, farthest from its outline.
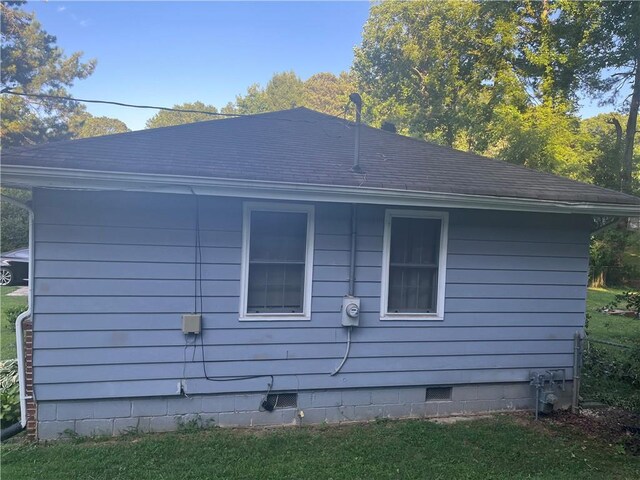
(597, 384)
(7, 335)
(617, 329)
(499, 447)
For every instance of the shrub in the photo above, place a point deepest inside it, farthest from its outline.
(631, 301)
(10, 315)
(627, 300)
(614, 363)
(9, 393)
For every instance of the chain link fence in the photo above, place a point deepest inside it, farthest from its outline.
(611, 373)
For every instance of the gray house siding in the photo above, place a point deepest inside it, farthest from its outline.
(114, 271)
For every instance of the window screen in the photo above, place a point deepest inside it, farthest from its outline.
(413, 265)
(277, 255)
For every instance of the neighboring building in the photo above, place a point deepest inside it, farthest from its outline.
(471, 274)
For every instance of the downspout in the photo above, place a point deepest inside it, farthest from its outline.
(18, 427)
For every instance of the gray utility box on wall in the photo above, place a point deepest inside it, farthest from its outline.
(191, 323)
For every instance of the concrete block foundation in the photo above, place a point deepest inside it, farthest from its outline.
(161, 414)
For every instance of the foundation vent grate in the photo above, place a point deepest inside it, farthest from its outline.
(282, 400)
(438, 394)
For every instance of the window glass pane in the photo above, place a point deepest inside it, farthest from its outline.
(412, 289)
(278, 236)
(275, 288)
(413, 265)
(415, 240)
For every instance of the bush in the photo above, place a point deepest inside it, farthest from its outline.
(631, 301)
(10, 315)
(627, 300)
(9, 393)
(614, 363)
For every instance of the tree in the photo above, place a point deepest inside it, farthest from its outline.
(33, 63)
(498, 78)
(548, 54)
(438, 68)
(602, 143)
(324, 92)
(165, 118)
(284, 91)
(15, 221)
(539, 137)
(612, 58)
(328, 93)
(86, 125)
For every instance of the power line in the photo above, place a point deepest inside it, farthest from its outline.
(8, 91)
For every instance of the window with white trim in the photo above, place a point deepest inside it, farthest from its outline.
(414, 265)
(277, 262)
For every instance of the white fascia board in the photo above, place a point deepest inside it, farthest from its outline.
(34, 177)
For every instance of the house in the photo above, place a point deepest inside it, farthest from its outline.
(244, 271)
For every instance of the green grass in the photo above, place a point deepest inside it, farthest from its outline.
(7, 334)
(618, 329)
(615, 328)
(492, 448)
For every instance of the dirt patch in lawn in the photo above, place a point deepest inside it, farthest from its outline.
(609, 424)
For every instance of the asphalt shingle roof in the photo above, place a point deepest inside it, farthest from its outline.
(306, 147)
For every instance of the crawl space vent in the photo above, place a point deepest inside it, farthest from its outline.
(438, 394)
(282, 400)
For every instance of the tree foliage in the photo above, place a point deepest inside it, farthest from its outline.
(165, 118)
(284, 91)
(14, 229)
(435, 68)
(541, 138)
(324, 92)
(85, 125)
(612, 65)
(33, 63)
(328, 93)
(504, 78)
(602, 143)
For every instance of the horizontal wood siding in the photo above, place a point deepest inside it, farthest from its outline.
(114, 272)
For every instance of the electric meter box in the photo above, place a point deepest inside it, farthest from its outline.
(191, 323)
(350, 311)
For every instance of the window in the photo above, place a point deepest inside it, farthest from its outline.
(277, 262)
(414, 265)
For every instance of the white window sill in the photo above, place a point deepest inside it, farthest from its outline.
(276, 317)
(395, 317)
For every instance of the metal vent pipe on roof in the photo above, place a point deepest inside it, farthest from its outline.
(357, 101)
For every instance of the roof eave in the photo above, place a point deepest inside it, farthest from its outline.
(21, 176)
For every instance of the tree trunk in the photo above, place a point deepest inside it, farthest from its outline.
(614, 121)
(632, 124)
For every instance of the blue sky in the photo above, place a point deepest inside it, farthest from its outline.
(166, 53)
